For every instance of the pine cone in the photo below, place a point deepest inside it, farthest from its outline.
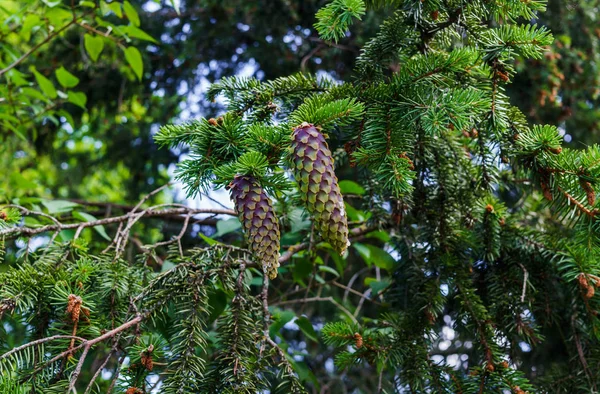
(313, 168)
(260, 224)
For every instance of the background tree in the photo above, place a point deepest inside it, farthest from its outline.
(459, 276)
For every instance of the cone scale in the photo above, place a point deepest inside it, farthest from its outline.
(314, 172)
(260, 224)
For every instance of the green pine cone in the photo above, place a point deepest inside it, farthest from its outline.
(260, 224)
(313, 169)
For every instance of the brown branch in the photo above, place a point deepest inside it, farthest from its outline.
(88, 344)
(28, 231)
(578, 204)
(37, 342)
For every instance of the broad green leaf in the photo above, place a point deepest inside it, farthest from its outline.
(363, 251)
(52, 3)
(307, 328)
(227, 226)
(31, 20)
(18, 180)
(325, 268)
(377, 285)
(209, 241)
(280, 318)
(349, 187)
(131, 13)
(93, 45)
(134, 32)
(58, 17)
(302, 268)
(380, 235)
(355, 214)
(77, 98)
(32, 222)
(134, 58)
(65, 78)
(17, 77)
(59, 206)
(298, 221)
(115, 7)
(372, 254)
(86, 217)
(33, 93)
(45, 84)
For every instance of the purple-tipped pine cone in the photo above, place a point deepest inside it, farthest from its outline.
(260, 224)
(313, 169)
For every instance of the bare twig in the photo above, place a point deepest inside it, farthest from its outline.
(525, 277)
(36, 47)
(37, 342)
(29, 231)
(316, 299)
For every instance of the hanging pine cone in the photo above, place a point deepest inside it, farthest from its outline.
(260, 224)
(313, 168)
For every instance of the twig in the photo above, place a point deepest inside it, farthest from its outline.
(28, 231)
(36, 47)
(525, 277)
(266, 315)
(358, 293)
(38, 341)
(578, 204)
(316, 299)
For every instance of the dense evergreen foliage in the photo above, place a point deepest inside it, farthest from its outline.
(432, 240)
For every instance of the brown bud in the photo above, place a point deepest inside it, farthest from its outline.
(474, 133)
(489, 208)
(133, 390)
(3, 215)
(502, 75)
(583, 283)
(555, 150)
(518, 390)
(430, 317)
(591, 290)
(502, 222)
(358, 340)
(146, 358)
(504, 364)
(490, 367)
(212, 122)
(546, 190)
(435, 15)
(74, 307)
(589, 191)
(404, 156)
